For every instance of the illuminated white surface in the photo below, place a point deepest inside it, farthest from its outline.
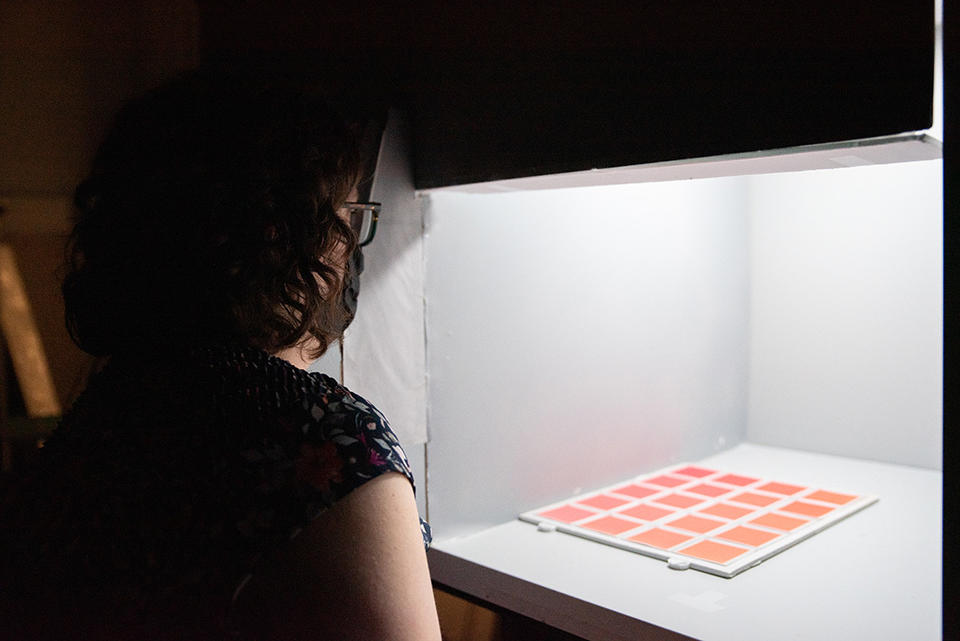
(875, 576)
(908, 147)
(583, 335)
(596, 329)
(846, 309)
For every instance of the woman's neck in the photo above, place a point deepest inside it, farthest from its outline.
(296, 355)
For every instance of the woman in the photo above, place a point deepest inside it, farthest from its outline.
(205, 485)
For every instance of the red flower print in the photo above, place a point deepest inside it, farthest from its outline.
(319, 466)
(376, 459)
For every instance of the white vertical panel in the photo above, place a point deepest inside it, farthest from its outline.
(579, 336)
(846, 314)
(936, 130)
(383, 349)
(329, 363)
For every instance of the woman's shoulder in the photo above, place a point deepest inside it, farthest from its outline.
(336, 438)
(340, 424)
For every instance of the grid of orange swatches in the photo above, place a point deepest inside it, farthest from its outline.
(697, 512)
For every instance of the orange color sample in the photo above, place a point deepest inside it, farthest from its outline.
(609, 525)
(754, 499)
(747, 535)
(708, 490)
(646, 512)
(713, 551)
(726, 511)
(781, 488)
(779, 521)
(679, 500)
(663, 539)
(807, 509)
(602, 501)
(695, 524)
(831, 497)
(665, 480)
(637, 491)
(734, 479)
(566, 514)
(697, 472)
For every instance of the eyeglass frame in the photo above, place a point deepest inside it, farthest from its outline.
(374, 208)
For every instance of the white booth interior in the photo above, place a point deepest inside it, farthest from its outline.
(531, 341)
(784, 324)
(577, 337)
(581, 337)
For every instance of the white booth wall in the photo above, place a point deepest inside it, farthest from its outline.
(578, 337)
(846, 313)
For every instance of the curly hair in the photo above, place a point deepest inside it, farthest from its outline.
(210, 214)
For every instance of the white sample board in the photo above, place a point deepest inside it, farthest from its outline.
(702, 518)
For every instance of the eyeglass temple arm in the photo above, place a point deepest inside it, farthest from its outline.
(375, 216)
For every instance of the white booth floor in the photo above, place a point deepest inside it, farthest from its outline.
(875, 575)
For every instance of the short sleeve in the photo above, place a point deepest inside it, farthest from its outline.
(345, 442)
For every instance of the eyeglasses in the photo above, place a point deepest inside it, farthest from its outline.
(363, 220)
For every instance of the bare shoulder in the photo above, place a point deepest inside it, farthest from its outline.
(358, 571)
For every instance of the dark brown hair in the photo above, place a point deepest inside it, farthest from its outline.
(210, 214)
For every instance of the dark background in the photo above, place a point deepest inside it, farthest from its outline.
(493, 90)
(501, 90)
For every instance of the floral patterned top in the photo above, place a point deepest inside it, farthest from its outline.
(167, 481)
